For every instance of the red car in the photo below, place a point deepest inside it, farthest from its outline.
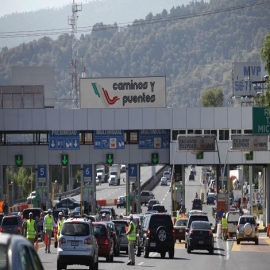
(180, 229)
(105, 240)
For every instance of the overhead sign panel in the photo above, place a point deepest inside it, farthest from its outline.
(261, 120)
(126, 92)
(244, 74)
(64, 140)
(196, 143)
(249, 143)
(154, 138)
(109, 139)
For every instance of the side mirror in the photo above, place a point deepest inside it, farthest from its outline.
(187, 230)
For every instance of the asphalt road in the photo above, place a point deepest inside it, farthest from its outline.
(227, 255)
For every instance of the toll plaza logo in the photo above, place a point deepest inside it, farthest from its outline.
(103, 94)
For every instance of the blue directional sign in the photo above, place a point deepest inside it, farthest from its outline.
(132, 170)
(87, 171)
(109, 139)
(64, 140)
(42, 172)
(154, 138)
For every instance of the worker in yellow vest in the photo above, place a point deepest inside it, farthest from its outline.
(31, 229)
(59, 224)
(48, 226)
(224, 225)
(131, 236)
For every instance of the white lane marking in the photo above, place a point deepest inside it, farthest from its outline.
(141, 263)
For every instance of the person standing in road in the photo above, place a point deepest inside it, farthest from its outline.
(40, 226)
(59, 224)
(131, 236)
(31, 229)
(48, 226)
(224, 225)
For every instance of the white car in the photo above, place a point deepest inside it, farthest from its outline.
(163, 181)
(31, 196)
(167, 175)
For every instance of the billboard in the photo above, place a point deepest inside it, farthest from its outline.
(244, 74)
(126, 92)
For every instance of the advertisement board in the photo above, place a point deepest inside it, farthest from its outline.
(244, 73)
(198, 143)
(249, 142)
(126, 92)
(154, 138)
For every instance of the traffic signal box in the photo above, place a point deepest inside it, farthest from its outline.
(154, 159)
(64, 160)
(199, 155)
(249, 156)
(109, 159)
(18, 160)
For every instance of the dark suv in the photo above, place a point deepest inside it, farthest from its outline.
(197, 204)
(195, 217)
(156, 235)
(11, 224)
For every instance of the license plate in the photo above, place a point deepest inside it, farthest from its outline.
(180, 230)
(200, 242)
(74, 243)
(152, 244)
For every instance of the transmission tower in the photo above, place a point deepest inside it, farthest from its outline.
(72, 20)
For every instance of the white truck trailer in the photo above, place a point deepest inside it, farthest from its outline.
(114, 174)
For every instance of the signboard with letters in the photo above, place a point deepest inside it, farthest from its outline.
(249, 142)
(64, 140)
(132, 173)
(244, 73)
(154, 138)
(261, 120)
(42, 173)
(87, 172)
(109, 139)
(87, 193)
(198, 143)
(123, 92)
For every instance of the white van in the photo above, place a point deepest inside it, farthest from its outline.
(232, 220)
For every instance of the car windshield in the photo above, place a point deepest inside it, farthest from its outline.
(121, 228)
(245, 220)
(160, 220)
(200, 225)
(77, 209)
(199, 217)
(3, 257)
(159, 208)
(75, 229)
(100, 230)
(36, 213)
(10, 221)
(181, 222)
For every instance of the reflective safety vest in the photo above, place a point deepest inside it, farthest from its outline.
(132, 235)
(48, 223)
(59, 227)
(31, 231)
(224, 223)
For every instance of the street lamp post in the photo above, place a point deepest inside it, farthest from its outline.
(9, 201)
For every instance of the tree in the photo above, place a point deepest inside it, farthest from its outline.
(212, 98)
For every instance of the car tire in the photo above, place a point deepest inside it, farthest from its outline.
(162, 254)
(171, 253)
(185, 245)
(92, 264)
(59, 266)
(108, 257)
(111, 258)
(237, 241)
(256, 241)
(211, 251)
(96, 264)
(161, 234)
(188, 248)
(146, 252)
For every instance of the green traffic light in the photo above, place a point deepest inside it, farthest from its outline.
(18, 160)
(64, 160)
(109, 158)
(199, 155)
(154, 158)
(249, 156)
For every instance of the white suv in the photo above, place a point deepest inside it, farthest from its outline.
(247, 229)
(77, 244)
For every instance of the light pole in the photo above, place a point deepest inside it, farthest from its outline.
(9, 201)
(30, 182)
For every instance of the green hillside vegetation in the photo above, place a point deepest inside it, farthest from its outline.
(194, 46)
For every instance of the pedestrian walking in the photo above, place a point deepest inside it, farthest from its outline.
(30, 227)
(48, 226)
(131, 236)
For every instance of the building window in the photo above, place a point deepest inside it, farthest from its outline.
(248, 131)
(224, 135)
(174, 134)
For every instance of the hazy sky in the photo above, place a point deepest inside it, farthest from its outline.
(12, 6)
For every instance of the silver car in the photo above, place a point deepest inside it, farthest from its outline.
(77, 244)
(16, 252)
(247, 229)
(120, 225)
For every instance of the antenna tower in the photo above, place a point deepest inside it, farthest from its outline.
(72, 20)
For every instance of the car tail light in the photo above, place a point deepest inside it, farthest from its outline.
(62, 241)
(106, 242)
(19, 228)
(255, 228)
(88, 241)
(238, 227)
(191, 232)
(1, 229)
(210, 233)
(148, 233)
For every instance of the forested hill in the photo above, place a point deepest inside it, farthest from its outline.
(193, 45)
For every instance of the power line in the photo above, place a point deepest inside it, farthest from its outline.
(53, 32)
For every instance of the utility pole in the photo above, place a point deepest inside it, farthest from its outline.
(74, 62)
